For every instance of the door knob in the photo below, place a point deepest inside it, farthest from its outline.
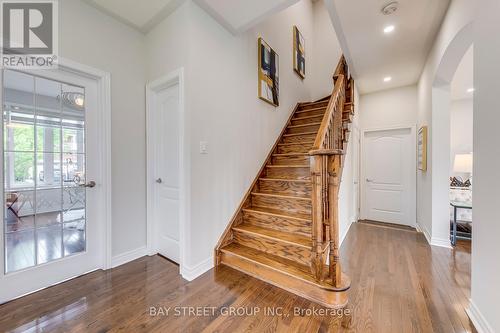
(159, 181)
(369, 180)
(89, 184)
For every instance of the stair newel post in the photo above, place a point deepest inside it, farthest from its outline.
(333, 191)
(317, 216)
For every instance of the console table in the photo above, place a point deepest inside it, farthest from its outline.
(457, 205)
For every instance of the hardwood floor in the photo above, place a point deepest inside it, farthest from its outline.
(399, 284)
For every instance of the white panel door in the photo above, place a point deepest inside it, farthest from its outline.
(167, 151)
(388, 170)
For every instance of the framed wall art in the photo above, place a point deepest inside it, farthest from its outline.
(268, 73)
(299, 53)
(422, 148)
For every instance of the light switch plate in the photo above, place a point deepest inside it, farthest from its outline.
(203, 147)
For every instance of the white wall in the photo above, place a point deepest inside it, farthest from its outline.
(485, 244)
(326, 51)
(432, 196)
(92, 38)
(223, 108)
(461, 123)
(389, 108)
(348, 204)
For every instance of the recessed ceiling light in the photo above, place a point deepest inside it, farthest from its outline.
(389, 29)
(470, 90)
(387, 79)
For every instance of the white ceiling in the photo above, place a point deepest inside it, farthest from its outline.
(464, 77)
(239, 15)
(141, 15)
(375, 55)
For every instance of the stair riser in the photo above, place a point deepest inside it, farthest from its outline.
(314, 105)
(291, 205)
(302, 129)
(293, 226)
(289, 173)
(286, 187)
(310, 113)
(299, 121)
(298, 148)
(285, 250)
(299, 138)
(291, 160)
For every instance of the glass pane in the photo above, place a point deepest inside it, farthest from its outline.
(18, 111)
(49, 206)
(19, 210)
(49, 243)
(73, 140)
(19, 250)
(73, 104)
(19, 169)
(74, 237)
(73, 204)
(73, 169)
(48, 167)
(48, 137)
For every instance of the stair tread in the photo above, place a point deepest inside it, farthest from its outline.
(285, 196)
(306, 117)
(285, 180)
(298, 134)
(275, 235)
(304, 125)
(297, 143)
(291, 154)
(286, 166)
(285, 266)
(309, 110)
(278, 212)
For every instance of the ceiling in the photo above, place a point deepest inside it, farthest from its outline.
(141, 15)
(239, 15)
(464, 77)
(375, 55)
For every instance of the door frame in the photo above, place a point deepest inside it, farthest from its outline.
(152, 88)
(103, 81)
(413, 185)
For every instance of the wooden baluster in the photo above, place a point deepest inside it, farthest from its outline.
(333, 184)
(317, 217)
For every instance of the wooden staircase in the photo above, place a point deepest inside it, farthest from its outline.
(286, 226)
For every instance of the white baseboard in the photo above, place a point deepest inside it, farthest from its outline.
(442, 242)
(477, 318)
(191, 273)
(128, 256)
(343, 236)
(424, 230)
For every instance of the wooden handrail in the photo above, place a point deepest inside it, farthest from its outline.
(326, 159)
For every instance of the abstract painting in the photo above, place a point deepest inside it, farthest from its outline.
(299, 53)
(422, 148)
(268, 73)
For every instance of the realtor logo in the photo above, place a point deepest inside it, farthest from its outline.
(29, 33)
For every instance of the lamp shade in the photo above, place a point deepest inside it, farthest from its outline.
(463, 163)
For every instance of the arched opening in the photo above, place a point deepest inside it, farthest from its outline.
(441, 147)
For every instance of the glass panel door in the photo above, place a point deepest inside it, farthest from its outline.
(44, 170)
